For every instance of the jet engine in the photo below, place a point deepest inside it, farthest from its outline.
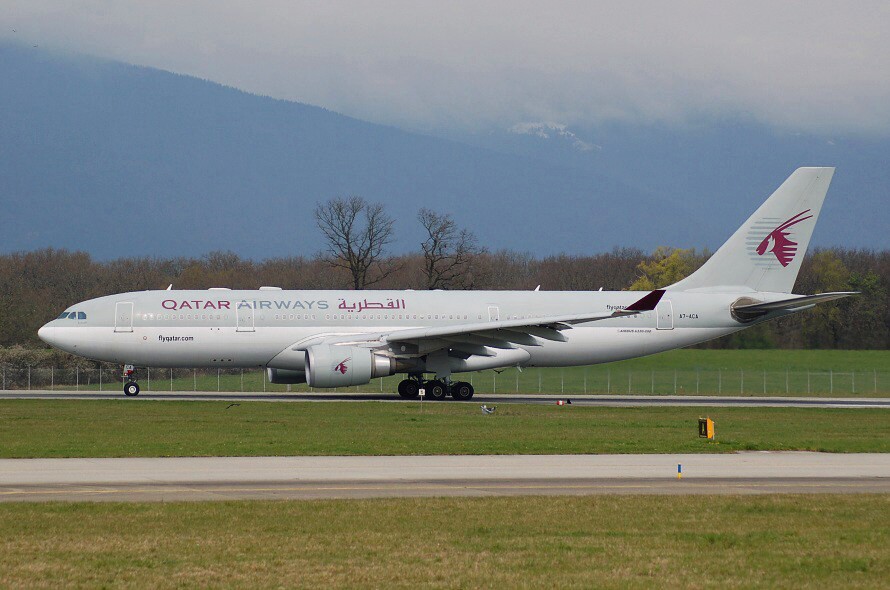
(342, 366)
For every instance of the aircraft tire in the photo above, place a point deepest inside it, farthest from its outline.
(435, 390)
(462, 391)
(131, 388)
(409, 388)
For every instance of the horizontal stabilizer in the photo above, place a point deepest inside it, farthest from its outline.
(753, 311)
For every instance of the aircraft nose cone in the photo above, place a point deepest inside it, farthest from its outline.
(46, 333)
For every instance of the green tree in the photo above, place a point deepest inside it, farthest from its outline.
(820, 326)
(864, 318)
(665, 267)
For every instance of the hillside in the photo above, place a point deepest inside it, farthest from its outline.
(119, 160)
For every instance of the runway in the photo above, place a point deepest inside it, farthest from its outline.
(581, 400)
(226, 478)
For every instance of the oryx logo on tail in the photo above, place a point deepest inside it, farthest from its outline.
(342, 367)
(778, 242)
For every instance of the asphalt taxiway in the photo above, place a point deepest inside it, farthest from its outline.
(209, 478)
(505, 398)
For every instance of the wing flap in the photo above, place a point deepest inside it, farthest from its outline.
(540, 332)
(480, 341)
(515, 336)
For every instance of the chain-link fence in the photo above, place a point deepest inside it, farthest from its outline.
(570, 380)
(744, 382)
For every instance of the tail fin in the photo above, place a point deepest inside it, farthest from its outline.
(765, 253)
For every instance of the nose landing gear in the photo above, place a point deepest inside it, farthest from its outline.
(131, 388)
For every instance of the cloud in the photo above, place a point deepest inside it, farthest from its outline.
(807, 66)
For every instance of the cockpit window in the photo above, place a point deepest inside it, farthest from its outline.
(81, 315)
(63, 316)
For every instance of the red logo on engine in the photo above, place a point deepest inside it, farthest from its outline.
(342, 368)
(778, 243)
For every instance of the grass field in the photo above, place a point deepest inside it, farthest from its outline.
(133, 428)
(813, 541)
(727, 372)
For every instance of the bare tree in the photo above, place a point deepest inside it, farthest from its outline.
(357, 233)
(448, 252)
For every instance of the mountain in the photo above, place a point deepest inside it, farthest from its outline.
(119, 160)
(721, 169)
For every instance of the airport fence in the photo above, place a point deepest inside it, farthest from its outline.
(602, 380)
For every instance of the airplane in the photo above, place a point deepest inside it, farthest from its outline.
(343, 338)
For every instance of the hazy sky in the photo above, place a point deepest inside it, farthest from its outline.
(476, 65)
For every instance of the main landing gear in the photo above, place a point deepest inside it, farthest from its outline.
(131, 388)
(435, 389)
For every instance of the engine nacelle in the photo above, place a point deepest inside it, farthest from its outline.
(286, 376)
(342, 366)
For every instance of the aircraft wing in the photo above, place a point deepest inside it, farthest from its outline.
(508, 333)
(479, 337)
(755, 310)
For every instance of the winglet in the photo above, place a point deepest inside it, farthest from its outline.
(647, 303)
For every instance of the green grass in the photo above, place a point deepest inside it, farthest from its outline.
(133, 428)
(688, 371)
(787, 541)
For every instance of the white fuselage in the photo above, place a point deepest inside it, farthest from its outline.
(223, 328)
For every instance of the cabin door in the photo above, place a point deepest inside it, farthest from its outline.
(123, 316)
(494, 313)
(244, 315)
(665, 315)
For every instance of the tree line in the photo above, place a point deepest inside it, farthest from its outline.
(36, 286)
